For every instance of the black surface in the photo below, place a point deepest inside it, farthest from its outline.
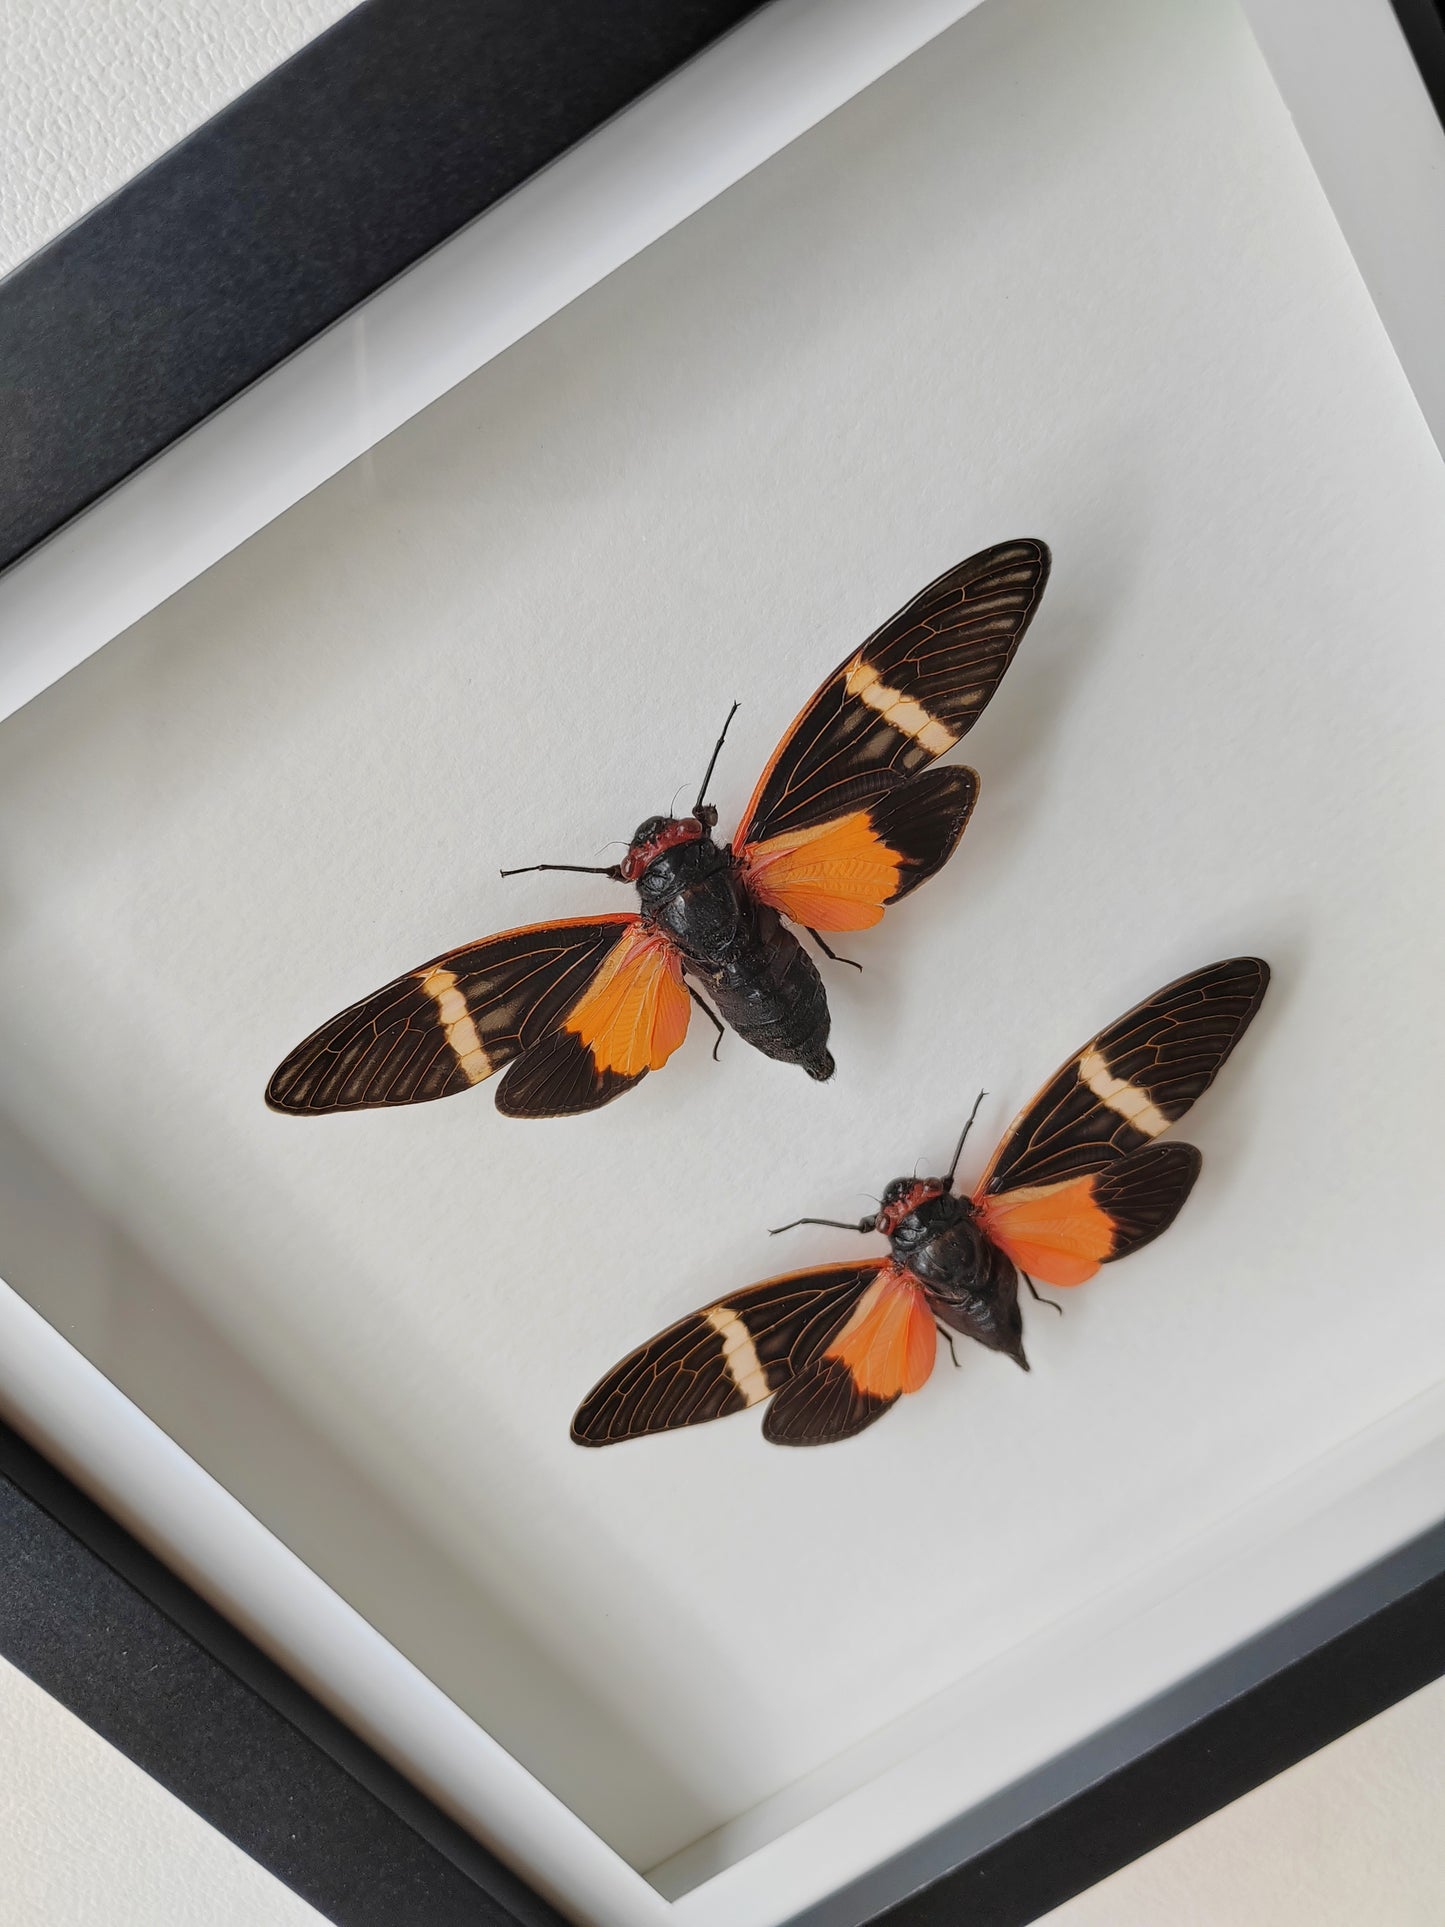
(1423, 25)
(89, 1615)
(372, 145)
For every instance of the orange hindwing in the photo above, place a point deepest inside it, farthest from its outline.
(1057, 1233)
(889, 1343)
(634, 1013)
(832, 876)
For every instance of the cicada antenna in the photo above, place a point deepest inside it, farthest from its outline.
(712, 764)
(963, 1137)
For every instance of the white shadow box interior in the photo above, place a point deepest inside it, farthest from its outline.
(1067, 272)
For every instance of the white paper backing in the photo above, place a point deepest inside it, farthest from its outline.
(1066, 273)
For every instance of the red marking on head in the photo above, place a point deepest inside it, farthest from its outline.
(678, 829)
(892, 1215)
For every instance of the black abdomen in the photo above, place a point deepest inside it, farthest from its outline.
(773, 997)
(971, 1284)
(764, 983)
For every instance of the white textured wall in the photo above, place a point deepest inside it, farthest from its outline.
(87, 1840)
(1351, 1837)
(93, 90)
(90, 91)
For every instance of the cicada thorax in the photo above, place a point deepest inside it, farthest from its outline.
(762, 981)
(972, 1286)
(686, 886)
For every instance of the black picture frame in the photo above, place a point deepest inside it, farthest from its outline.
(111, 1633)
(373, 145)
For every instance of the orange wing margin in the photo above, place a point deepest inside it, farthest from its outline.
(832, 876)
(634, 1013)
(888, 1345)
(1057, 1233)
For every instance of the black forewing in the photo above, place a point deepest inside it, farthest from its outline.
(1133, 1080)
(821, 1406)
(722, 1359)
(450, 1023)
(940, 659)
